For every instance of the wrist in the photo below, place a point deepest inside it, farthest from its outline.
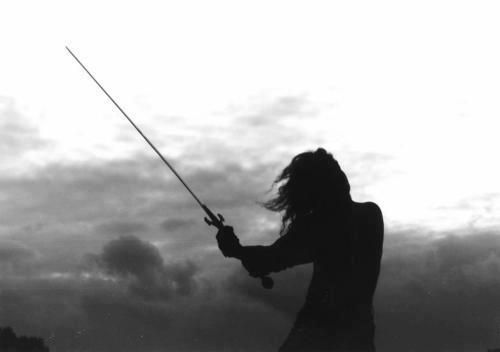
(238, 252)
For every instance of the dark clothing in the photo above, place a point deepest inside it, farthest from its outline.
(338, 312)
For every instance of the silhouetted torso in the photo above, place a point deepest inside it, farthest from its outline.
(338, 312)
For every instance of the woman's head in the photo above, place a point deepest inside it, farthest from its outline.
(312, 182)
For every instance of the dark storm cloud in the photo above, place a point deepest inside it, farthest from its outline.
(203, 323)
(63, 211)
(118, 323)
(99, 316)
(12, 252)
(138, 188)
(141, 262)
(446, 289)
(36, 306)
(94, 192)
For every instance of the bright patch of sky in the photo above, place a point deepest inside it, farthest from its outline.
(416, 84)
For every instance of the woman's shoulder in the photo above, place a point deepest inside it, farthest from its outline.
(367, 209)
(370, 220)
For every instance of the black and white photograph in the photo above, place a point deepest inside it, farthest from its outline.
(249, 176)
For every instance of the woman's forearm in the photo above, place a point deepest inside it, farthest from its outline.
(262, 260)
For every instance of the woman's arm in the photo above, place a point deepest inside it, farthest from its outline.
(287, 251)
(284, 253)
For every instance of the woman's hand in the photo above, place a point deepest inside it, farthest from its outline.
(228, 243)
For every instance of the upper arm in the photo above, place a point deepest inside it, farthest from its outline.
(293, 249)
(287, 251)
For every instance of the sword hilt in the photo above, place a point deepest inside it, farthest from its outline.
(212, 220)
(218, 222)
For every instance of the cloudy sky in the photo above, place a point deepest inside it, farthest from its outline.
(101, 249)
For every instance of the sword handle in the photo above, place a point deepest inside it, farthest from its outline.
(218, 222)
(213, 220)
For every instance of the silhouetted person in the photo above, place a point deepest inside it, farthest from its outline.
(343, 239)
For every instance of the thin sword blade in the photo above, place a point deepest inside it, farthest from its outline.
(140, 132)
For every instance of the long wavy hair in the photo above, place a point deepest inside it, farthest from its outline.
(312, 184)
